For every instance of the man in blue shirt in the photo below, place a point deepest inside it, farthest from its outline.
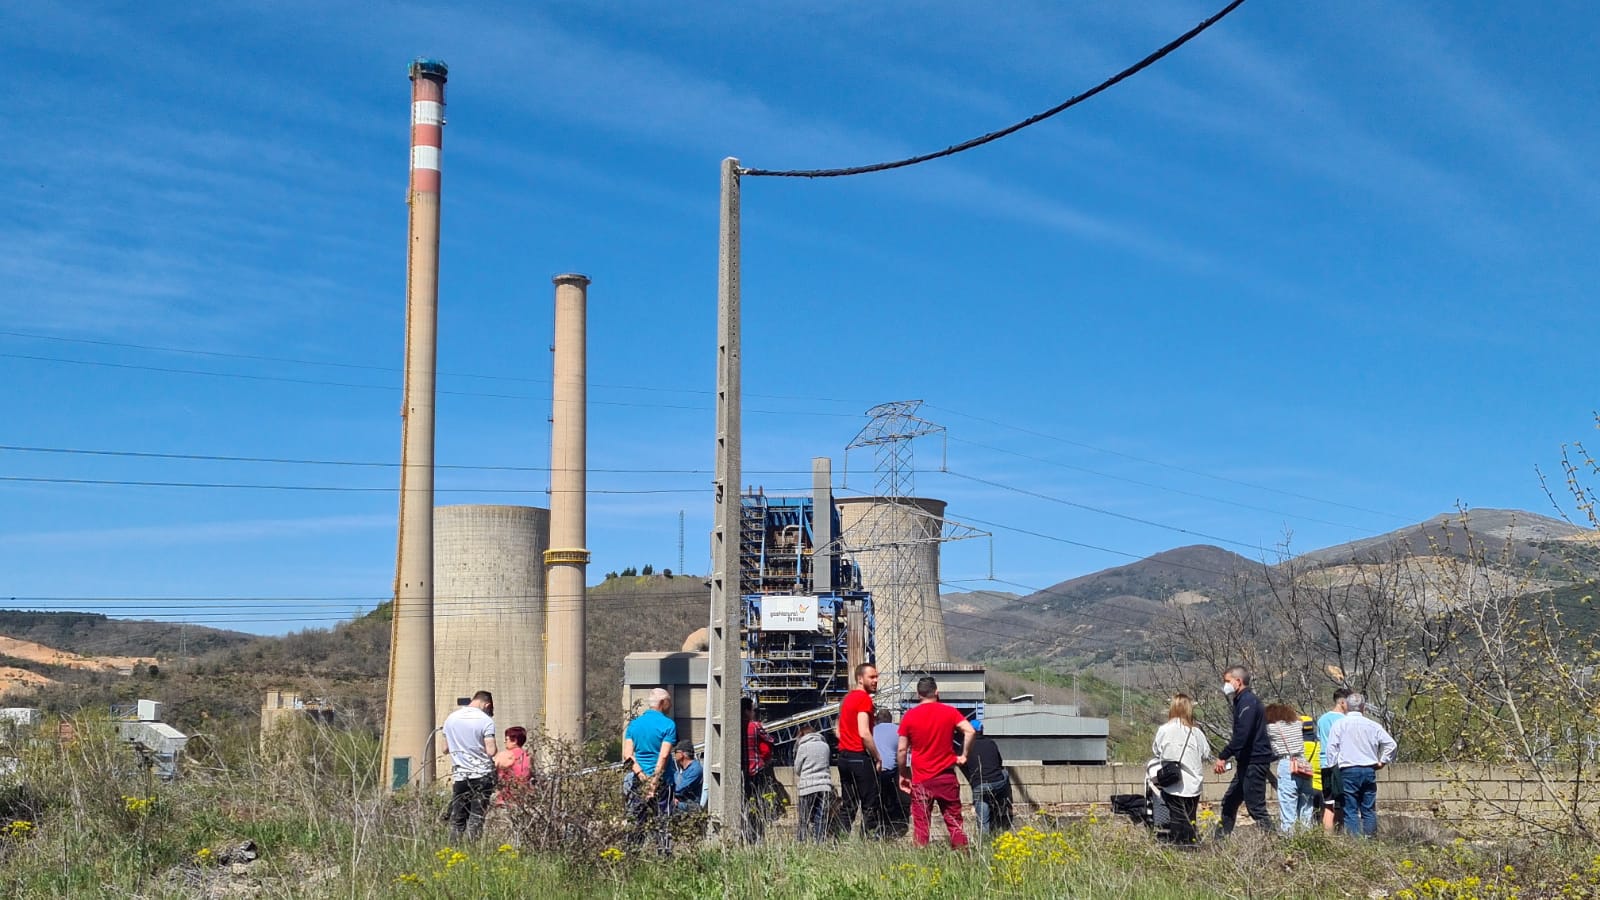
(896, 815)
(688, 779)
(1332, 792)
(647, 751)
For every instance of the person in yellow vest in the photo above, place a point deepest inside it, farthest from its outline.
(1310, 801)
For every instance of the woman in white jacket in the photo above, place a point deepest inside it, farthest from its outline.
(1181, 742)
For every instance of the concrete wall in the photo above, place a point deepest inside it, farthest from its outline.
(488, 614)
(1459, 795)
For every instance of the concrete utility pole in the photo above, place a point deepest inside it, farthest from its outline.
(408, 725)
(726, 670)
(568, 558)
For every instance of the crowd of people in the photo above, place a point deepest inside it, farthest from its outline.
(893, 776)
(1323, 770)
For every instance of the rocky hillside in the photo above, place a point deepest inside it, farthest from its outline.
(1093, 614)
(67, 661)
(1114, 612)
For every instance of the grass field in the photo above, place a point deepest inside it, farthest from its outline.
(84, 819)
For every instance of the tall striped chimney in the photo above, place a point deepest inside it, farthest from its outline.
(408, 752)
(567, 559)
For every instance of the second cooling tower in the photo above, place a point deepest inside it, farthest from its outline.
(489, 609)
(896, 545)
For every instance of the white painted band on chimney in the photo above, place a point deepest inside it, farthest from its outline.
(427, 112)
(425, 158)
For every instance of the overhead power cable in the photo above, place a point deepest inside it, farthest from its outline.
(281, 379)
(1105, 512)
(335, 488)
(992, 136)
(1159, 487)
(1024, 430)
(1174, 467)
(367, 367)
(207, 457)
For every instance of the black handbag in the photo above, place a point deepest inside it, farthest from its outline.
(1171, 771)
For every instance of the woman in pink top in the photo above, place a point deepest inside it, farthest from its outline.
(514, 766)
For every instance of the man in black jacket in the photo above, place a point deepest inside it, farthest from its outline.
(1251, 751)
(991, 786)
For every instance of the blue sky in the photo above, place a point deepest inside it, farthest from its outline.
(1323, 272)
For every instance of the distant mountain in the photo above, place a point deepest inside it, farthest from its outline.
(93, 634)
(1091, 613)
(976, 602)
(1114, 611)
(1512, 533)
(222, 675)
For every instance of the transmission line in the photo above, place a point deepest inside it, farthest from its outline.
(992, 136)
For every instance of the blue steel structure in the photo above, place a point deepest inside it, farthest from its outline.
(790, 673)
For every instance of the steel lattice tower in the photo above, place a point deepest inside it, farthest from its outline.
(895, 538)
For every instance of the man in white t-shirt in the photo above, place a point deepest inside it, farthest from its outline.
(469, 736)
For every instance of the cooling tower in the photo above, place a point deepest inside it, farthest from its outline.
(488, 609)
(896, 545)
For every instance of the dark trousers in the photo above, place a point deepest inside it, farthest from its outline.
(858, 777)
(991, 806)
(894, 803)
(760, 801)
(1249, 786)
(1181, 813)
(469, 802)
(812, 816)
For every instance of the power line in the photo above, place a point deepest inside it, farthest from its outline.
(1021, 429)
(207, 457)
(332, 488)
(1010, 129)
(1177, 468)
(282, 379)
(365, 367)
(1137, 557)
(1159, 487)
(1104, 512)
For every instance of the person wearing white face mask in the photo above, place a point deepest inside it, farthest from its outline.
(1251, 750)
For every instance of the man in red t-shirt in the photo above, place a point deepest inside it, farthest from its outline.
(928, 732)
(858, 753)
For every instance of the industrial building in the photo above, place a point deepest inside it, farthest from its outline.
(1046, 734)
(802, 634)
(280, 710)
(809, 618)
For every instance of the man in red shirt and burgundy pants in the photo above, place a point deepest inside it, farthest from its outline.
(928, 731)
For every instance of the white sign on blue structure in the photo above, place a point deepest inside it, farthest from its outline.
(789, 613)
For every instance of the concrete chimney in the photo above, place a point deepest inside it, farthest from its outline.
(824, 551)
(408, 753)
(567, 559)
